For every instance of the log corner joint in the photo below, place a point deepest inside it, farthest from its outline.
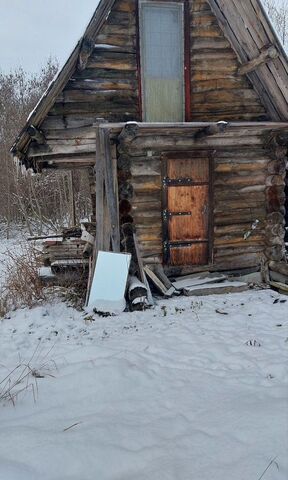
(36, 135)
(86, 49)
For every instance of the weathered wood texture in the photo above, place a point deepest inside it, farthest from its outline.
(243, 169)
(108, 86)
(248, 29)
(217, 90)
(100, 78)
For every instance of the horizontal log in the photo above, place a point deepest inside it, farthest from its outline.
(238, 97)
(238, 241)
(83, 133)
(117, 30)
(126, 41)
(242, 259)
(203, 42)
(238, 107)
(212, 31)
(240, 180)
(243, 216)
(114, 61)
(104, 73)
(102, 84)
(234, 167)
(113, 96)
(57, 149)
(225, 251)
(116, 105)
(228, 84)
(279, 267)
(203, 19)
(161, 143)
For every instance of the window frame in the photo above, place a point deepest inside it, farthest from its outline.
(185, 15)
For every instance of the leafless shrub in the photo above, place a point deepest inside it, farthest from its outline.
(18, 381)
(22, 285)
(23, 378)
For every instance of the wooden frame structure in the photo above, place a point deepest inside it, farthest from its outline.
(236, 107)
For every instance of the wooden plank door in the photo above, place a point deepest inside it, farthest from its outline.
(186, 216)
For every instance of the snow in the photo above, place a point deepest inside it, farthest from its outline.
(177, 392)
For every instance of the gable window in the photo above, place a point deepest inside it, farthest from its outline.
(162, 61)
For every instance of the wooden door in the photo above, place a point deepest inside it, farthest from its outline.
(186, 215)
(162, 61)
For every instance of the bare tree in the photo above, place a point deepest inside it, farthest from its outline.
(278, 13)
(43, 202)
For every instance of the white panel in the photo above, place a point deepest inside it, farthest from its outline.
(109, 282)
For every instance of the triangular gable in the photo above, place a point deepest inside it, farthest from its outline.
(248, 30)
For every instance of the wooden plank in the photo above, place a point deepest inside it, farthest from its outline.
(99, 174)
(110, 190)
(191, 281)
(155, 280)
(142, 271)
(216, 288)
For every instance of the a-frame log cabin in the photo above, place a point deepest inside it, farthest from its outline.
(179, 109)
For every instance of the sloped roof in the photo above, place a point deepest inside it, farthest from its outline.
(244, 23)
(249, 30)
(42, 108)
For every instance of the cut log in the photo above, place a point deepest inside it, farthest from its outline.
(281, 287)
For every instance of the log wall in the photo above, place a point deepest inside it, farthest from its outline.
(218, 92)
(107, 85)
(247, 186)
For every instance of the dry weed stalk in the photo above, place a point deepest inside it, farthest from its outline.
(23, 378)
(22, 284)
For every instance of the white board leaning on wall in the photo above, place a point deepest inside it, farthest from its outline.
(109, 282)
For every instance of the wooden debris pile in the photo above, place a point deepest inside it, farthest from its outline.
(69, 252)
(196, 284)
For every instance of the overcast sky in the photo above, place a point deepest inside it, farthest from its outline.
(32, 30)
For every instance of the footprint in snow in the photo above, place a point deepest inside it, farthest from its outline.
(253, 343)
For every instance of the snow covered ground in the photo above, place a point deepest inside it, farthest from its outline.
(178, 392)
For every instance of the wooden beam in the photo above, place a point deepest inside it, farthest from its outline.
(99, 180)
(36, 135)
(111, 191)
(265, 56)
(213, 129)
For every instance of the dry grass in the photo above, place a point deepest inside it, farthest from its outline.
(21, 285)
(23, 378)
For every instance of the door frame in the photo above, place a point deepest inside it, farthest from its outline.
(209, 154)
(186, 55)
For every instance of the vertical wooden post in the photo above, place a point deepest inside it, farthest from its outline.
(111, 191)
(99, 181)
(72, 199)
